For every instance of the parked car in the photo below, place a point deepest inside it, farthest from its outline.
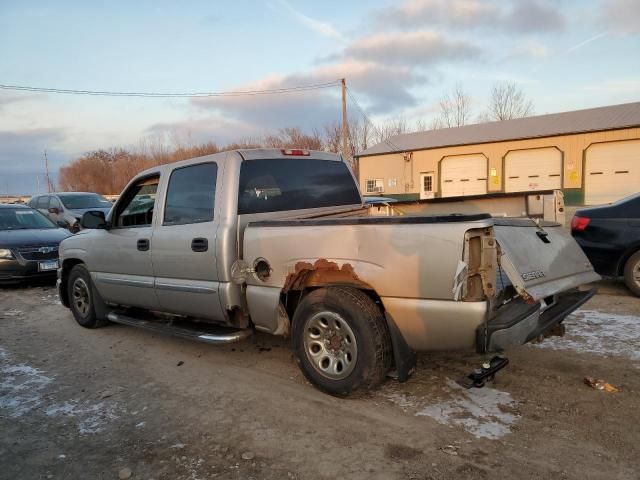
(29, 244)
(68, 207)
(610, 236)
(280, 241)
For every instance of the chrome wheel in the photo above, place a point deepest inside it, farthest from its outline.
(636, 273)
(330, 345)
(81, 299)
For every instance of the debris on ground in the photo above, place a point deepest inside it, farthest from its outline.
(599, 384)
(248, 456)
(180, 363)
(450, 449)
(124, 473)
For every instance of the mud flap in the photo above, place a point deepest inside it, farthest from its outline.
(404, 357)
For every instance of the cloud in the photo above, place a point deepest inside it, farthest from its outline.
(325, 29)
(533, 16)
(22, 161)
(22, 150)
(524, 16)
(622, 16)
(458, 13)
(385, 88)
(419, 48)
(9, 98)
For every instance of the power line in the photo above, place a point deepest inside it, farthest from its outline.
(106, 93)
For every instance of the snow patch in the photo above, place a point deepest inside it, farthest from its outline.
(483, 412)
(22, 390)
(20, 386)
(600, 333)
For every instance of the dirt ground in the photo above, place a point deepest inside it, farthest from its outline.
(118, 402)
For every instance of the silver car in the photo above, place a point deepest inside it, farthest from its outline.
(66, 208)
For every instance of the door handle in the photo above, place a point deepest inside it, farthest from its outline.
(143, 244)
(199, 244)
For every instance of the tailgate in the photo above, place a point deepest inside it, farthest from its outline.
(541, 259)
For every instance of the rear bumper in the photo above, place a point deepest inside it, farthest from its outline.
(518, 323)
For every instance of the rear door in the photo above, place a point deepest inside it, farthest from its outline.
(541, 260)
(184, 243)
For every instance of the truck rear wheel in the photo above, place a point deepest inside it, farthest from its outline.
(632, 273)
(341, 340)
(81, 298)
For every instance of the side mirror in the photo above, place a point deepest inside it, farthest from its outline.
(93, 219)
(54, 210)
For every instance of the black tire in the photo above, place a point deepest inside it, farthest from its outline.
(81, 296)
(347, 312)
(632, 273)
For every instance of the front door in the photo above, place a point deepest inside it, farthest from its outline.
(426, 185)
(184, 244)
(121, 256)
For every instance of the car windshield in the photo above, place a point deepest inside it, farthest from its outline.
(81, 201)
(23, 219)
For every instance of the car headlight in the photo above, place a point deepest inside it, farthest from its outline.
(6, 253)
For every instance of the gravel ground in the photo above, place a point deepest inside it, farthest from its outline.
(118, 402)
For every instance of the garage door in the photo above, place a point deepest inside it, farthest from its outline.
(463, 175)
(534, 169)
(612, 171)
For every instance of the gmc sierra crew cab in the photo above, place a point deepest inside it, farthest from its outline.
(279, 241)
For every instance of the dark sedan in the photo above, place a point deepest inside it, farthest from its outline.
(28, 244)
(610, 236)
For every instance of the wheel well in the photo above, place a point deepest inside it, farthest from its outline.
(625, 257)
(67, 265)
(292, 298)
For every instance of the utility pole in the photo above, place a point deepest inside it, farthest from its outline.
(46, 166)
(345, 126)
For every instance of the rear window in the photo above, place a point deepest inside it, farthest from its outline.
(294, 184)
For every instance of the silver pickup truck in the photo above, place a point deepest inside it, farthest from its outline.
(279, 241)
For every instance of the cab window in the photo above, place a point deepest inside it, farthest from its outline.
(294, 184)
(137, 205)
(191, 194)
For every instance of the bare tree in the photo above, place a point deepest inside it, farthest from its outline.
(508, 101)
(455, 109)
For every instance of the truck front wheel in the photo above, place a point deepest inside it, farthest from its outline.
(341, 340)
(81, 298)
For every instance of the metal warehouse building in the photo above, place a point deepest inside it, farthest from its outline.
(592, 155)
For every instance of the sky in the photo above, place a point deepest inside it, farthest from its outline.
(398, 58)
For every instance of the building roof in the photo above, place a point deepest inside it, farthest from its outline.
(612, 117)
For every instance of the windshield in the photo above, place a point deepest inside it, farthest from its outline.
(23, 219)
(81, 201)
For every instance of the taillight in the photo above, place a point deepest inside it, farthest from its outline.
(295, 151)
(578, 224)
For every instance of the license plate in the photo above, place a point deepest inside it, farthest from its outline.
(48, 265)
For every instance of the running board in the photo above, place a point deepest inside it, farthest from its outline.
(200, 332)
